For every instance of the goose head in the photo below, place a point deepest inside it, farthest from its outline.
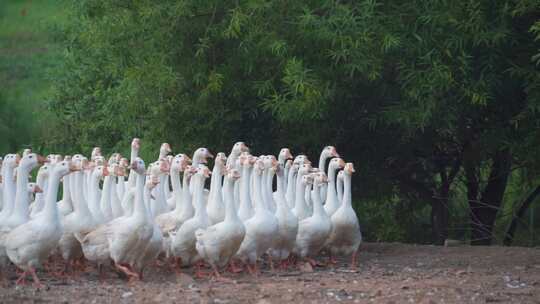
(202, 155)
(11, 161)
(239, 147)
(26, 151)
(349, 169)
(64, 167)
(100, 171)
(258, 166)
(151, 182)
(30, 161)
(189, 171)
(284, 155)
(181, 162)
(96, 151)
(124, 162)
(305, 169)
(203, 171)
(288, 164)
(337, 163)
(220, 161)
(43, 171)
(99, 160)
(307, 180)
(232, 174)
(136, 144)
(319, 179)
(138, 166)
(329, 151)
(34, 188)
(301, 159)
(114, 159)
(164, 150)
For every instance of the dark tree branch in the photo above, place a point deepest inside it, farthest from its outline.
(523, 207)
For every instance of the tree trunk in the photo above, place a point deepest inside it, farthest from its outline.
(484, 211)
(440, 212)
(509, 236)
(440, 215)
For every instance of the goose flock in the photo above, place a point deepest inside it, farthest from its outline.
(162, 211)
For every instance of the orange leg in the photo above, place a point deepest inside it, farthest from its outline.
(125, 269)
(354, 259)
(22, 278)
(37, 282)
(234, 268)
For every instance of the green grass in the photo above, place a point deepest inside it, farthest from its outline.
(27, 53)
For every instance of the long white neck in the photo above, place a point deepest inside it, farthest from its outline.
(79, 204)
(22, 196)
(50, 212)
(347, 201)
(268, 190)
(339, 190)
(66, 194)
(231, 160)
(9, 190)
(177, 189)
(317, 204)
(147, 202)
(299, 202)
(93, 202)
(331, 192)
(105, 201)
(40, 197)
(121, 186)
(187, 205)
(116, 206)
(139, 209)
(259, 202)
(132, 177)
(215, 184)
(230, 207)
(200, 210)
(322, 161)
(291, 184)
(245, 198)
(282, 202)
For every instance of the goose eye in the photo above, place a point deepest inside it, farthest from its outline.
(30, 156)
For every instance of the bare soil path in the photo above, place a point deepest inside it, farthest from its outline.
(388, 273)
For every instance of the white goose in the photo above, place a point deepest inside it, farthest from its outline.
(135, 147)
(20, 212)
(151, 250)
(93, 193)
(339, 186)
(183, 242)
(8, 166)
(301, 210)
(215, 207)
(217, 244)
(261, 228)
(41, 181)
(245, 210)
(326, 153)
(28, 245)
(160, 169)
(172, 220)
(122, 239)
(287, 222)
(233, 163)
(79, 222)
(117, 173)
(291, 183)
(346, 236)
(313, 231)
(332, 203)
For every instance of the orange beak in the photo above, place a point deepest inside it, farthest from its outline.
(105, 171)
(37, 189)
(42, 160)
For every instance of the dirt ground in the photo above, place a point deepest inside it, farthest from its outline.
(388, 273)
